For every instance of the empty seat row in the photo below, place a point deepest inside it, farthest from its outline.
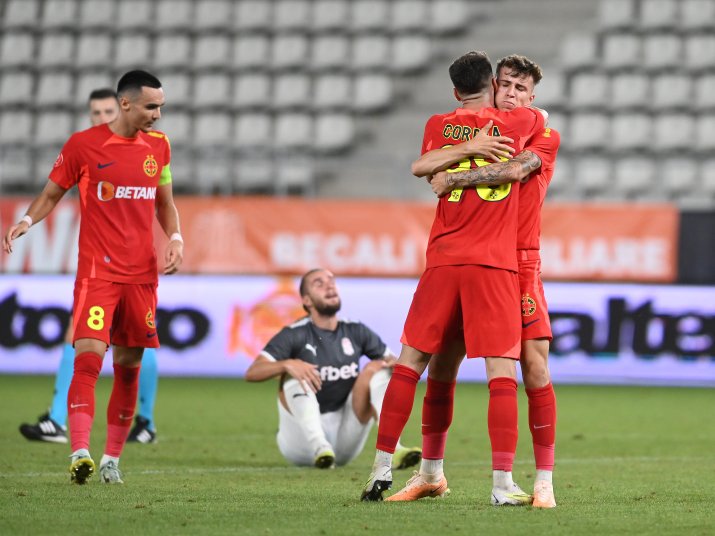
(656, 14)
(435, 16)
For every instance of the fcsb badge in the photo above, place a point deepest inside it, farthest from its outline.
(150, 165)
(150, 319)
(528, 305)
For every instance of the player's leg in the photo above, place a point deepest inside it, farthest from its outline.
(52, 426)
(368, 394)
(353, 429)
(144, 429)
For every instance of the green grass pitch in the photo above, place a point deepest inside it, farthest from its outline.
(630, 460)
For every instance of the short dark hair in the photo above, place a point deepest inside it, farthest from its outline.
(303, 288)
(471, 73)
(103, 93)
(522, 66)
(136, 80)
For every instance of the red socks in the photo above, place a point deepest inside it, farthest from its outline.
(437, 412)
(120, 411)
(503, 422)
(396, 407)
(80, 398)
(542, 423)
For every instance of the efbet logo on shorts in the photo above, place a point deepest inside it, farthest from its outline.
(150, 165)
(106, 191)
(528, 305)
(150, 319)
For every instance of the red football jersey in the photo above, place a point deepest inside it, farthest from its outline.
(117, 179)
(533, 192)
(477, 225)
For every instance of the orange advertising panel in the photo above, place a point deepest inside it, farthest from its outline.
(255, 235)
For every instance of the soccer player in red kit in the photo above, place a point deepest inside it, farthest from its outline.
(122, 171)
(469, 291)
(516, 78)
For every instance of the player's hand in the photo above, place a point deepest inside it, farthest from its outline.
(173, 257)
(440, 184)
(489, 147)
(306, 373)
(16, 231)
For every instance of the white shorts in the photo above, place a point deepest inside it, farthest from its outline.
(345, 433)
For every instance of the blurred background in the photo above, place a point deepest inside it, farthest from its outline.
(293, 124)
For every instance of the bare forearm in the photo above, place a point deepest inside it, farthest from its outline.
(263, 369)
(495, 174)
(438, 160)
(44, 203)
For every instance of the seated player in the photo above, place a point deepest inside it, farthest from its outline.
(326, 404)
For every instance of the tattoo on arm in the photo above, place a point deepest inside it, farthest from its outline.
(515, 169)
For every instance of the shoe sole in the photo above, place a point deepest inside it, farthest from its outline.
(81, 470)
(325, 462)
(410, 460)
(374, 494)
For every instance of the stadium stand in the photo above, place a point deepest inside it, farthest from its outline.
(340, 90)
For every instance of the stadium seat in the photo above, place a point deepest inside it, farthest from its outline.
(16, 89)
(630, 132)
(409, 15)
(334, 132)
(177, 89)
(330, 15)
(700, 52)
(251, 91)
(97, 14)
(289, 51)
(211, 52)
(17, 49)
(592, 173)
(673, 132)
(251, 51)
(410, 53)
(94, 51)
(551, 92)
(182, 171)
(630, 91)
(172, 16)
(15, 128)
(254, 173)
(589, 90)
(21, 14)
(662, 52)
(705, 92)
(588, 131)
(59, 14)
(678, 174)
(293, 131)
(616, 14)
(211, 91)
(55, 89)
(16, 164)
(560, 122)
(373, 92)
(177, 127)
(332, 91)
(88, 82)
(132, 51)
(370, 52)
(635, 176)
(579, 51)
(212, 130)
(291, 90)
(56, 51)
(706, 174)
(658, 14)
(369, 15)
(252, 131)
(213, 171)
(672, 91)
(172, 51)
(293, 15)
(134, 15)
(53, 128)
(213, 15)
(294, 174)
(253, 15)
(564, 179)
(329, 52)
(621, 51)
(697, 14)
(705, 134)
(448, 16)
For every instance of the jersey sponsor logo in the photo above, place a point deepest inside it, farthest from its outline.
(331, 374)
(106, 191)
(347, 346)
(59, 161)
(528, 305)
(150, 165)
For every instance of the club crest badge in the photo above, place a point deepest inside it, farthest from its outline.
(151, 167)
(347, 346)
(150, 319)
(528, 305)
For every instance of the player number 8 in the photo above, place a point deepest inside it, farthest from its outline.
(96, 318)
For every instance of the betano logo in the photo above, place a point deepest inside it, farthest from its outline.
(106, 191)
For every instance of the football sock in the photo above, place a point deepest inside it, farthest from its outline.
(432, 470)
(542, 423)
(382, 459)
(437, 411)
(107, 459)
(304, 406)
(58, 410)
(80, 398)
(502, 422)
(544, 475)
(148, 383)
(396, 407)
(502, 479)
(120, 411)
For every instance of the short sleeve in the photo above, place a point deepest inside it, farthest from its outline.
(281, 346)
(66, 170)
(545, 146)
(428, 138)
(372, 345)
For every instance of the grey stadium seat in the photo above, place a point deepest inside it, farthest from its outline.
(289, 51)
(630, 91)
(373, 92)
(579, 51)
(616, 14)
(369, 15)
(97, 14)
(291, 15)
(662, 51)
(88, 82)
(252, 131)
(621, 51)
(334, 132)
(56, 50)
(630, 132)
(329, 15)
(673, 132)
(212, 90)
(53, 128)
(636, 176)
(588, 131)
(212, 130)
(251, 51)
(254, 172)
(705, 134)
(134, 15)
(16, 168)
(679, 174)
(17, 49)
(177, 88)
(16, 88)
(700, 52)
(177, 126)
(211, 51)
(658, 14)
(447, 16)
(251, 91)
(329, 52)
(173, 16)
(410, 53)
(370, 52)
(59, 14)
(697, 14)
(705, 92)
(15, 128)
(172, 51)
(589, 90)
(291, 90)
(21, 14)
(132, 52)
(294, 173)
(212, 15)
(551, 92)
(332, 91)
(593, 173)
(55, 89)
(253, 15)
(409, 15)
(93, 51)
(672, 91)
(293, 131)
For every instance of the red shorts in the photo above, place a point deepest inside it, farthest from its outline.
(116, 313)
(535, 321)
(476, 302)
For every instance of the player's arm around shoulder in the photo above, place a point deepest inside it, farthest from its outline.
(168, 217)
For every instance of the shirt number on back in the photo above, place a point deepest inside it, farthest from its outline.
(487, 193)
(96, 318)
